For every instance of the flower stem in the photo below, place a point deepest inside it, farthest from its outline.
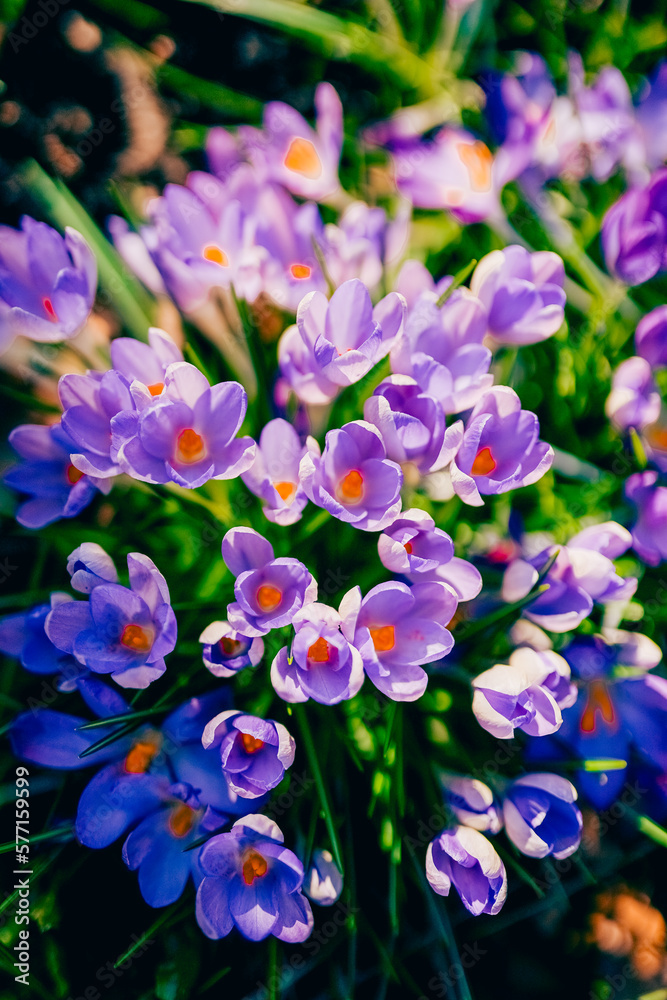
(311, 753)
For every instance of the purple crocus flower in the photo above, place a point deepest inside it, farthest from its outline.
(227, 651)
(188, 434)
(288, 150)
(464, 858)
(252, 882)
(634, 400)
(274, 475)
(413, 546)
(621, 707)
(651, 116)
(412, 424)
(125, 632)
(160, 781)
(296, 354)
(322, 664)
(145, 364)
(582, 574)
(324, 882)
(649, 532)
(364, 243)
(89, 566)
(634, 232)
(55, 487)
(396, 629)
(268, 591)
(453, 171)
(254, 753)
(522, 293)
(89, 404)
(500, 448)
(347, 335)
(541, 817)
(651, 337)
(441, 349)
(47, 283)
(472, 802)
(352, 478)
(520, 695)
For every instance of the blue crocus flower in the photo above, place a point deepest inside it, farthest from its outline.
(621, 707)
(161, 782)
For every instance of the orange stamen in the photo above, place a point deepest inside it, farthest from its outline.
(351, 488)
(73, 475)
(190, 447)
(254, 866)
(268, 597)
(478, 160)
(408, 548)
(300, 271)
(49, 310)
(285, 490)
(484, 463)
(136, 638)
(156, 388)
(598, 701)
(215, 255)
(181, 819)
(250, 744)
(302, 158)
(230, 647)
(319, 651)
(141, 755)
(383, 638)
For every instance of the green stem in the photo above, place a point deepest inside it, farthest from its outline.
(311, 753)
(63, 831)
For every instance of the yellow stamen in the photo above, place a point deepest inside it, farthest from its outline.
(351, 488)
(302, 158)
(250, 744)
(190, 447)
(181, 819)
(484, 463)
(136, 638)
(215, 255)
(300, 271)
(254, 866)
(73, 475)
(285, 490)
(478, 160)
(383, 638)
(156, 388)
(268, 597)
(319, 651)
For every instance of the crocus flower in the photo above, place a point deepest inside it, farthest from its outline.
(364, 242)
(274, 474)
(227, 651)
(621, 707)
(254, 753)
(324, 882)
(289, 151)
(268, 591)
(541, 817)
(352, 478)
(296, 353)
(89, 403)
(441, 348)
(522, 293)
(472, 802)
(198, 246)
(89, 566)
(22, 636)
(464, 858)
(125, 632)
(412, 424)
(413, 546)
(145, 363)
(188, 434)
(160, 781)
(322, 664)
(651, 116)
(252, 882)
(651, 337)
(634, 400)
(634, 232)
(649, 532)
(500, 448)
(346, 334)
(516, 695)
(47, 283)
(582, 574)
(453, 171)
(396, 629)
(55, 487)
